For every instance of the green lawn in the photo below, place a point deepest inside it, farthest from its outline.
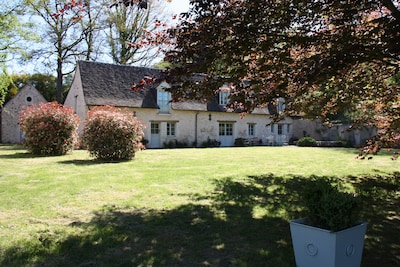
(182, 207)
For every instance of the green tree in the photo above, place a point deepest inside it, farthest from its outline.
(5, 82)
(323, 57)
(63, 35)
(13, 33)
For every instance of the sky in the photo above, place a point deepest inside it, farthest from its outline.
(178, 6)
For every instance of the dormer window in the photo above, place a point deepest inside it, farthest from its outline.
(163, 98)
(223, 96)
(280, 107)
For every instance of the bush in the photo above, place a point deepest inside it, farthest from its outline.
(49, 128)
(241, 142)
(211, 143)
(175, 144)
(307, 141)
(329, 208)
(111, 134)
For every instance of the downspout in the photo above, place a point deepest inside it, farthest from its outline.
(195, 128)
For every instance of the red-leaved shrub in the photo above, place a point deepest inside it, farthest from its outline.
(112, 134)
(49, 128)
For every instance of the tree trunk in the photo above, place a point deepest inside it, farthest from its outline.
(59, 80)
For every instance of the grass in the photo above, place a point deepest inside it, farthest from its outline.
(181, 207)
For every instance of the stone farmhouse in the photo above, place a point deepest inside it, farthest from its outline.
(10, 130)
(191, 122)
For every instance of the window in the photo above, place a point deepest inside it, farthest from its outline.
(163, 98)
(155, 128)
(280, 105)
(251, 129)
(280, 129)
(171, 128)
(272, 128)
(226, 129)
(289, 128)
(223, 98)
(28, 100)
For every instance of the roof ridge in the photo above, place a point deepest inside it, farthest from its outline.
(116, 65)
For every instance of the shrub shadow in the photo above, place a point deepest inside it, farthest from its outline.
(85, 162)
(23, 155)
(242, 222)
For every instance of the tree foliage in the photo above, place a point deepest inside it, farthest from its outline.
(13, 32)
(323, 57)
(5, 82)
(129, 26)
(63, 33)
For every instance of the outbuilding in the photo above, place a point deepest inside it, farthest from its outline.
(10, 130)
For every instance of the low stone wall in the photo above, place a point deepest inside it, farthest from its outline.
(331, 143)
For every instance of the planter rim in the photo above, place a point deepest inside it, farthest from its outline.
(302, 220)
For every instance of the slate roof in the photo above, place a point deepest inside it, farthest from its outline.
(109, 84)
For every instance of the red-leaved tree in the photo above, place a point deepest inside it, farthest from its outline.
(323, 57)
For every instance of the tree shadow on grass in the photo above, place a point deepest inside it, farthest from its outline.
(242, 222)
(381, 198)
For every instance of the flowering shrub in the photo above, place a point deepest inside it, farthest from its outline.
(111, 134)
(49, 128)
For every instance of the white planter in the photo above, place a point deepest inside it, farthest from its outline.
(315, 247)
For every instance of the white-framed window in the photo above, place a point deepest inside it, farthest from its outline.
(163, 101)
(223, 98)
(251, 129)
(226, 129)
(171, 127)
(289, 128)
(272, 128)
(155, 128)
(280, 107)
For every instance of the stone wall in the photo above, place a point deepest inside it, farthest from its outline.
(10, 130)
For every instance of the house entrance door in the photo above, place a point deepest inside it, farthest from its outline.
(155, 135)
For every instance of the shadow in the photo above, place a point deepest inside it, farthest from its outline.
(86, 162)
(242, 222)
(23, 155)
(381, 198)
(11, 146)
(80, 162)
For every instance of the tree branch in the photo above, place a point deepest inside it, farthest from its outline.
(393, 9)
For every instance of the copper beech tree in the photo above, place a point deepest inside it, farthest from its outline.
(324, 57)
